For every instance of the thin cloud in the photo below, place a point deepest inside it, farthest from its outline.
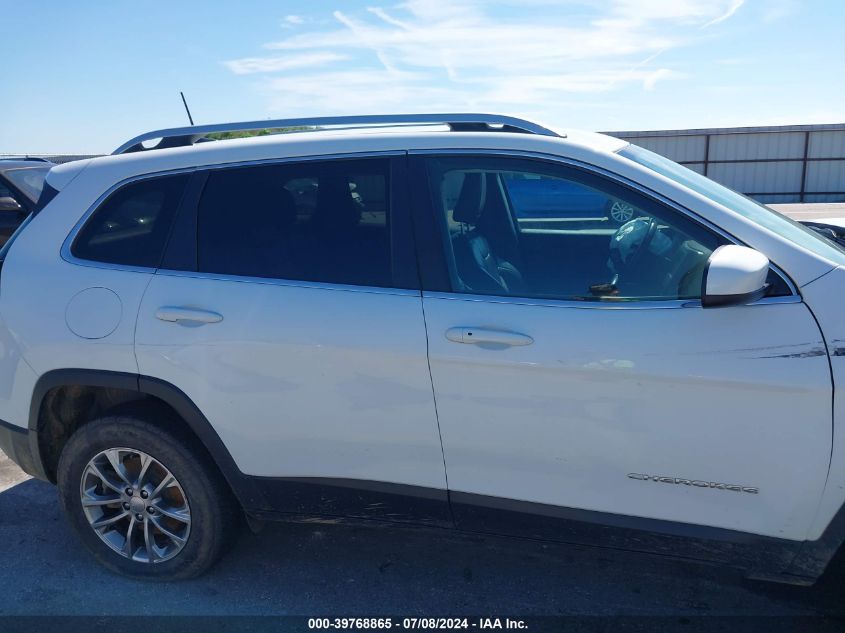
(727, 14)
(251, 65)
(428, 54)
(651, 79)
(779, 9)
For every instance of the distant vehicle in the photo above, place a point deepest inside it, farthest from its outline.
(831, 228)
(539, 198)
(21, 182)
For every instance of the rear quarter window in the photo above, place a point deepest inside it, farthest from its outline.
(132, 225)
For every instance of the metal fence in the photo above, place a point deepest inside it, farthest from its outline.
(794, 163)
(53, 158)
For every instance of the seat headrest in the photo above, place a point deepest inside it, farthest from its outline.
(336, 209)
(472, 198)
(257, 196)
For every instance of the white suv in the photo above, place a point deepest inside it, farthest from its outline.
(369, 323)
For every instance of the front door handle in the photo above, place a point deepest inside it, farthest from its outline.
(480, 336)
(177, 314)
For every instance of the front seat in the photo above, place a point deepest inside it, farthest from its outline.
(479, 268)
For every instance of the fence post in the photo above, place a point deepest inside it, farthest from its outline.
(804, 166)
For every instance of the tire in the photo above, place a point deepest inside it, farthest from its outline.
(185, 528)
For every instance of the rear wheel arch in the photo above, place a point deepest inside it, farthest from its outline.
(63, 400)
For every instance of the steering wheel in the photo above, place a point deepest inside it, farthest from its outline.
(630, 242)
(627, 246)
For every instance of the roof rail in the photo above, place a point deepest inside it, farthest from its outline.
(182, 136)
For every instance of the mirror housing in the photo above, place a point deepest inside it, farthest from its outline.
(734, 275)
(7, 203)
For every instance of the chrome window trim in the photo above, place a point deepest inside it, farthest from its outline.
(600, 171)
(596, 304)
(65, 251)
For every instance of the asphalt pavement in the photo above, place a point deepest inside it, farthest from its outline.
(322, 570)
(812, 211)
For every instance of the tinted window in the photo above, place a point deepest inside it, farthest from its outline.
(132, 225)
(532, 229)
(313, 221)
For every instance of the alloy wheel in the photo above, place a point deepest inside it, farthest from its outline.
(135, 505)
(621, 212)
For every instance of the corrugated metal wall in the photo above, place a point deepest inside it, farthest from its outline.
(53, 158)
(795, 163)
(798, 163)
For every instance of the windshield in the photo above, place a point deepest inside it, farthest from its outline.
(743, 205)
(30, 180)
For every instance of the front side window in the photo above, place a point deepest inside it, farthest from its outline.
(524, 228)
(322, 221)
(131, 227)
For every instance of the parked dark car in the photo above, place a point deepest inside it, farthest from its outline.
(831, 228)
(555, 199)
(21, 182)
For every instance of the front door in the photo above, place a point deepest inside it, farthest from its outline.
(574, 367)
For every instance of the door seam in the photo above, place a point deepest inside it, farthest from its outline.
(137, 319)
(436, 413)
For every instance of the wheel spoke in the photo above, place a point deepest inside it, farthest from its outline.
(99, 474)
(146, 461)
(182, 515)
(114, 459)
(166, 482)
(149, 543)
(127, 544)
(109, 520)
(90, 499)
(172, 536)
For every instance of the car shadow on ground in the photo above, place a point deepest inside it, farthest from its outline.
(317, 569)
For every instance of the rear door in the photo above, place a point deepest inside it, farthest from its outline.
(293, 320)
(576, 373)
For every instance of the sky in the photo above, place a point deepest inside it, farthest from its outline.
(82, 77)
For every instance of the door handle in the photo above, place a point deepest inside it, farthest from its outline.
(191, 315)
(480, 336)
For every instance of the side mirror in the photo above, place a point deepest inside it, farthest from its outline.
(7, 203)
(734, 275)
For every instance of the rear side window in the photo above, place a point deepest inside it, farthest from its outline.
(323, 221)
(132, 225)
